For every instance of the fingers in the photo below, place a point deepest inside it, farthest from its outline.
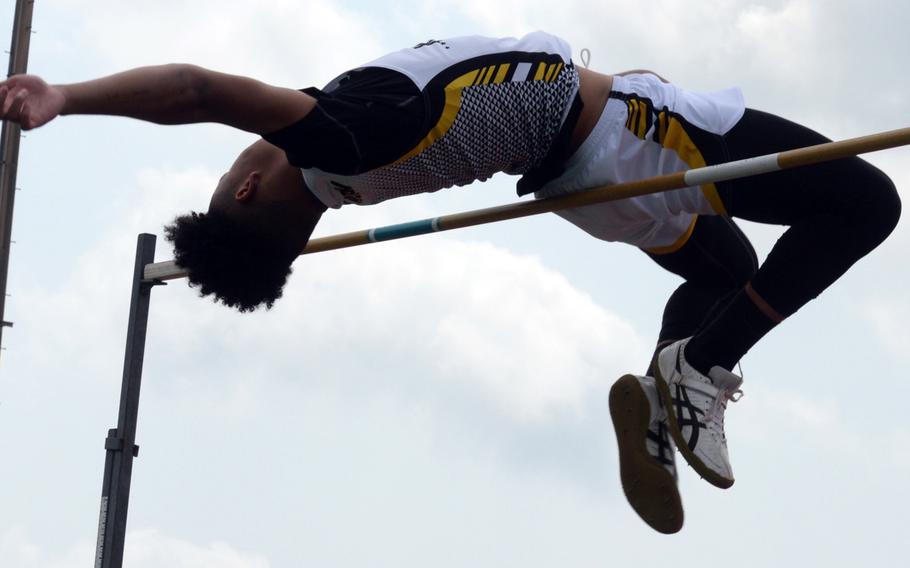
(14, 104)
(6, 101)
(18, 101)
(26, 120)
(29, 101)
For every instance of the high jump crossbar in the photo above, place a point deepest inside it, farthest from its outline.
(169, 270)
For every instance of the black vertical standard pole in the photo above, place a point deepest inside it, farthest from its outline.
(9, 147)
(121, 441)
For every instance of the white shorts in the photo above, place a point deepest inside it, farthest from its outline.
(648, 128)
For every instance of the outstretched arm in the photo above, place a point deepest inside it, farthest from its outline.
(166, 94)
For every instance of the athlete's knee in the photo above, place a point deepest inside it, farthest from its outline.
(881, 207)
(741, 262)
(717, 256)
(889, 203)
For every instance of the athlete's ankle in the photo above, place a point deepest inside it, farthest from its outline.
(730, 336)
(695, 357)
(763, 306)
(661, 344)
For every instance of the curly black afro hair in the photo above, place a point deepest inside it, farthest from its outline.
(243, 267)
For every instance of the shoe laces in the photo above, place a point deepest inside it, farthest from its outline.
(720, 406)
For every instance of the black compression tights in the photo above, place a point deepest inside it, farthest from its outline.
(837, 212)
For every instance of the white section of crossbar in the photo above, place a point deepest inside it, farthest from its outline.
(167, 270)
(733, 170)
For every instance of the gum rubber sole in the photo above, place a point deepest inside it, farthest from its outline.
(648, 486)
(708, 474)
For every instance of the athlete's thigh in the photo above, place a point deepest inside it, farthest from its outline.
(787, 196)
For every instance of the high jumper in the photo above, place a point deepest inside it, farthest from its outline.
(455, 111)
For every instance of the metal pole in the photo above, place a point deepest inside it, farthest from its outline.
(9, 147)
(121, 441)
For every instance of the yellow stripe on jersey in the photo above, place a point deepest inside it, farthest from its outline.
(662, 126)
(633, 114)
(671, 134)
(639, 118)
(643, 120)
(494, 74)
(489, 74)
(450, 111)
(676, 139)
(558, 71)
(485, 75)
(503, 71)
(550, 69)
(480, 73)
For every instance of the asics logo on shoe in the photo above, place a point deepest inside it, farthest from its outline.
(664, 449)
(687, 415)
(682, 403)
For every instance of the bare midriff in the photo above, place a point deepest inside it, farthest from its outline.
(594, 89)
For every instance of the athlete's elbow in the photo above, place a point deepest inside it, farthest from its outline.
(191, 87)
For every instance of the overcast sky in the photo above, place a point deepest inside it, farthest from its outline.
(438, 401)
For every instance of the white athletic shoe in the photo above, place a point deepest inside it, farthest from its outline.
(647, 465)
(697, 406)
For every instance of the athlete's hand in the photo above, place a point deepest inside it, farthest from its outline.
(28, 100)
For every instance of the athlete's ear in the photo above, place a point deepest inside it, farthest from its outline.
(249, 187)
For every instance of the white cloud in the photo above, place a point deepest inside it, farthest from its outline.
(765, 413)
(524, 333)
(810, 413)
(897, 448)
(279, 40)
(780, 40)
(151, 549)
(470, 315)
(805, 59)
(91, 302)
(460, 311)
(146, 548)
(786, 421)
(17, 550)
(889, 317)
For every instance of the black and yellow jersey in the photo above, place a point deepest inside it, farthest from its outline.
(439, 114)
